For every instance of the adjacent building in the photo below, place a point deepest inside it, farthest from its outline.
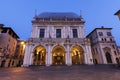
(119, 50)
(8, 41)
(103, 45)
(20, 51)
(57, 39)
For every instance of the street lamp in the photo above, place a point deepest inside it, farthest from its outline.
(118, 14)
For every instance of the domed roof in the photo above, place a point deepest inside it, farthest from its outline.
(58, 15)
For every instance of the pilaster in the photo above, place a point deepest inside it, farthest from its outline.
(68, 56)
(49, 56)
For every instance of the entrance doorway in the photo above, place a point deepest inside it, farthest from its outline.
(77, 55)
(108, 57)
(58, 55)
(39, 56)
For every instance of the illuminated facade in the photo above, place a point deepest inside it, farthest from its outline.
(20, 52)
(57, 39)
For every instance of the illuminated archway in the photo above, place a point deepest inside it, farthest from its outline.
(39, 56)
(77, 55)
(58, 55)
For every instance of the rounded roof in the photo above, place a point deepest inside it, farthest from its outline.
(58, 15)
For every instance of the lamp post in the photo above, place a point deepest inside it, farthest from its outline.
(118, 14)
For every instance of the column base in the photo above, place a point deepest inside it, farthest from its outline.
(69, 64)
(25, 65)
(48, 64)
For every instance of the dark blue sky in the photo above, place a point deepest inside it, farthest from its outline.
(19, 13)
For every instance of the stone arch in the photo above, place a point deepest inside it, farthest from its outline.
(107, 49)
(39, 55)
(79, 46)
(58, 55)
(52, 47)
(37, 45)
(108, 56)
(77, 54)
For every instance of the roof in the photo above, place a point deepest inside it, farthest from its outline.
(118, 12)
(97, 29)
(58, 15)
(11, 30)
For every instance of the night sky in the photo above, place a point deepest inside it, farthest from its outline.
(19, 13)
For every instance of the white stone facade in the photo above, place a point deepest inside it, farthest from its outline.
(103, 45)
(70, 47)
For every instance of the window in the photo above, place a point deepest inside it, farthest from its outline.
(111, 39)
(58, 33)
(75, 35)
(100, 34)
(96, 50)
(42, 33)
(7, 46)
(102, 39)
(109, 34)
(4, 31)
(105, 39)
(93, 51)
(113, 46)
(115, 53)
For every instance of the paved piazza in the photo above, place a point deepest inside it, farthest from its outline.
(81, 72)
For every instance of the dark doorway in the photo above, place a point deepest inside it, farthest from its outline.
(117, 60)
(3, 63)
(108, 57)
(95, 61)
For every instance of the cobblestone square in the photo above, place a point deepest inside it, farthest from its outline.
(76, 72)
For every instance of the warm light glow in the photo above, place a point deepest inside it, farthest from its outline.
(24, 46)
(40, 58)
(77, 55)
(22, 42)
(37, 52)
(72, 54)
(54, 54)
(42, 51)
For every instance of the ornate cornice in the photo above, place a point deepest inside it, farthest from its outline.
(58, 22)
(57, 40)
